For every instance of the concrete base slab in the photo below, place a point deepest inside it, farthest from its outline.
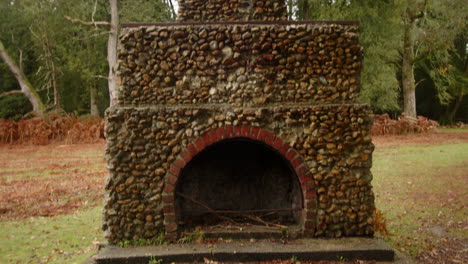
(247, 251)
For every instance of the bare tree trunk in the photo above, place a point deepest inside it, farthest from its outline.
(51, 76)
(49, 58)
(290, 4)
(93, 100)
(413, 12)
(111, 47)
(112, 52)
(409, 86)
(174, 15)
(457, 105)
(54, 84)
(26, 87)
(304, 10)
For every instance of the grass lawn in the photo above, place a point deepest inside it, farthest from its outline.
(50, 198)
(60, 239)
(422, 192)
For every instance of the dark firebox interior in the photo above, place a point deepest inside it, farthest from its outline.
(238, 177)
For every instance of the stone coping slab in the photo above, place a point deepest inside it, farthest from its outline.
(231, 107)
(246, 251)
(227, 23)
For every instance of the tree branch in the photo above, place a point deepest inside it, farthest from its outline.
(257, 211)
(94, 11)
(21, 59)
(259, 220)
(100, 77)
(85, 23)
(26, 88)
(11, 92)
(418, 82)
(93, 35)
(204, 206)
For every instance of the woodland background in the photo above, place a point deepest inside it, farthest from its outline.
(66, 65)
(52, 192)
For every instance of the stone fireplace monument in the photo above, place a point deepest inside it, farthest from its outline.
(235, 110)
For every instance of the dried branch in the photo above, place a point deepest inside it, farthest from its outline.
(259, 220)
(204, 206)
(257, 211)
(240, 213)
(11, 92)
(86, 23)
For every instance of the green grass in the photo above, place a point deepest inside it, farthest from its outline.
(59, 239)
(419, 188)
(454, 129)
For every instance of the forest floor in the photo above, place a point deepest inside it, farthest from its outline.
(51, 193)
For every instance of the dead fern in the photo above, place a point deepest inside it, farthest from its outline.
(384, 125)
(380, 223)
(53, 128)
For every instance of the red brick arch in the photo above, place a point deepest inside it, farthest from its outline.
(230, 132)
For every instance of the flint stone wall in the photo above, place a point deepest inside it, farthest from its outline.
(241, 65)
(296, 95)
(232, 10)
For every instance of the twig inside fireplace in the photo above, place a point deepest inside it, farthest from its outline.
(259, 220)
(243, 213)
(273, 210)
(205, 206)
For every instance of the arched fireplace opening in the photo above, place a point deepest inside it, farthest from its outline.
(241, 179)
